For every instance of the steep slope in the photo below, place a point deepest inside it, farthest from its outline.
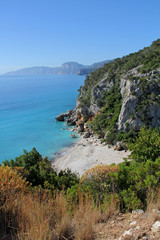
(123, 95)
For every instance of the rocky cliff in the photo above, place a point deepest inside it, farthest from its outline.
(122, 96)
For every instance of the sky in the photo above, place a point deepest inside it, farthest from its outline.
(52, 32)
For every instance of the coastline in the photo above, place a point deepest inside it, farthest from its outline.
(85, 154)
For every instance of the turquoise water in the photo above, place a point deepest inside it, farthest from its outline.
(28, 107)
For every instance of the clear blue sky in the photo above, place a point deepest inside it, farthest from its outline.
(51, 32)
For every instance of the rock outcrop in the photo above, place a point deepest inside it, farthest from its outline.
(133, 100)
(133, 103)
(122, 96)
(97, 91)
(132, 97)
(61, 117)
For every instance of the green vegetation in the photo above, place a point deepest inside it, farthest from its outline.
(148, 59)
(131, 179)
(64, 207)
(106, 120)
(39, 171)
(134, 181)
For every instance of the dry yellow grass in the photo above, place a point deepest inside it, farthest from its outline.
(45, 217)
(38, 215)
(34, 217)
(86, 215)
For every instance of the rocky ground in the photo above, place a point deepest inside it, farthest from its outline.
(130, 226)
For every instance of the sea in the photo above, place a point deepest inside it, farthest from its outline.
(28, 107)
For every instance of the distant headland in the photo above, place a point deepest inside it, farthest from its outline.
(66, 68)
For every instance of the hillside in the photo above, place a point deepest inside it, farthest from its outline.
(119, 98)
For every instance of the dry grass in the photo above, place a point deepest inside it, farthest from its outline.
(62, 217)
(41, 216)
(34, 217)
(86, 215)
(46, 217)
(153, 200)
(109, 207)
(153, 205)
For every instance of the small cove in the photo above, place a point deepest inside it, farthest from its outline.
(28, 107)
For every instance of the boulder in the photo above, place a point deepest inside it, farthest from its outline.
(138, 212)
(71, 119)
(80, 126)
(73, 135)
(62, 116)
(71, 122)
(120, 146)
(156, 225)
(133, 224)
(86, 135)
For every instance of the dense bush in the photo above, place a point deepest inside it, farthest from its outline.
(100, 181)
(146, 146)
(11, 183)
(39, 171)
(134, 179)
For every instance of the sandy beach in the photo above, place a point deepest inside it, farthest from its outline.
(86, 154)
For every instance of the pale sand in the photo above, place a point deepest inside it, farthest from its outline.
(86, 154)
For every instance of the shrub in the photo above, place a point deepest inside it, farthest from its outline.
(12, 186)
(11, 183)
(146, 146)
(136, 180)
(100, 180)
(39, 171)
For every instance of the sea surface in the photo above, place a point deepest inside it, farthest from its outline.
(28, 107)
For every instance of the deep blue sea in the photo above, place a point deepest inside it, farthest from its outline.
(28, 107)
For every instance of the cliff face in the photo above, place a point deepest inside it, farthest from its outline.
(133, 96)
(131, 92)
(124, 94)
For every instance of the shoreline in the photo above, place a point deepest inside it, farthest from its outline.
(63, 151)
(85, 154)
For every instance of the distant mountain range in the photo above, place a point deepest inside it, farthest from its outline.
(66, 68)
